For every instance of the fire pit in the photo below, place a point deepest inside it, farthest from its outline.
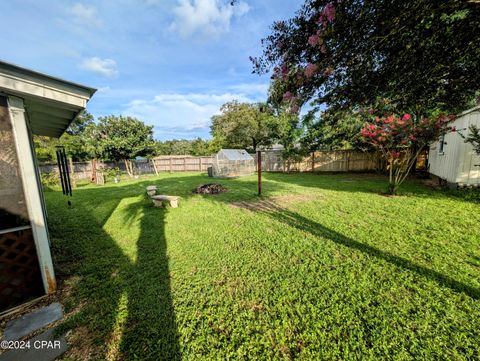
(210, 188)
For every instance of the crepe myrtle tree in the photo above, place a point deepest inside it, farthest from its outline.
(421, 54)
(400, 139)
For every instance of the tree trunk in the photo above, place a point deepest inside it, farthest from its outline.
(94, 171)
(392, 187)
(127, 167)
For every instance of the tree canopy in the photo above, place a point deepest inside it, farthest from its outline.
(243, 125)
(420, 54)
(196, 147)
(122, 138)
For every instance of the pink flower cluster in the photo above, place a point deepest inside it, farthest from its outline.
(314, 40)
(393, 133)
(310, 70)
(288, 96)
(327, 15)
(328, 71)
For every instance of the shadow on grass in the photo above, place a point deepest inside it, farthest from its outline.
(127, 309)
(303, 224)
(354, 183)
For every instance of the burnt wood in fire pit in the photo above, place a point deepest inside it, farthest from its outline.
(210, 188)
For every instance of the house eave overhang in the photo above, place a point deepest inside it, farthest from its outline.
(51, 103)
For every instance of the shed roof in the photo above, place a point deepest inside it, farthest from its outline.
(235, 154)
(471, 110)
(51, 103)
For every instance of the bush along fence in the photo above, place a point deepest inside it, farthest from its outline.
(272, 161)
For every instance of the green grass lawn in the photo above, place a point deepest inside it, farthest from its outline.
(320, 267)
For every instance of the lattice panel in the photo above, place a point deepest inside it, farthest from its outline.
(20, 278)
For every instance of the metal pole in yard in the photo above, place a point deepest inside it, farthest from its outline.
(259, 172)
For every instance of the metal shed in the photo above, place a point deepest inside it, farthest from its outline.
(30, 103)
(453, 160)
(231, 163)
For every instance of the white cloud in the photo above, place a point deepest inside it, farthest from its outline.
(84, 15)
(180, 113)
(105, 67)
(103, 89)
(208, 18)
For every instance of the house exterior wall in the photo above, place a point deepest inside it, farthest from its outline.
(20, 274)
(458, 163)
(29, 179)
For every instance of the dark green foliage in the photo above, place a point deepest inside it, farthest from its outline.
(74, 140)
(80, 123)
(333, 130)
(196, 147)
(243, 125)
(474, 138)
(421, 54)
(120, 138)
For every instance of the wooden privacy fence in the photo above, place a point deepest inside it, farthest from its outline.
(181, 163)
(324, 161)
(83, 170)
(272, 161)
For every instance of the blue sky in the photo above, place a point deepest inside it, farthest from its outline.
(170, 63)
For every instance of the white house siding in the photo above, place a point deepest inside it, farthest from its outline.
(458, 162)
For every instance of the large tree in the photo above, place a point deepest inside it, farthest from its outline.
(420, 54)
(121, 138)
(243, 125)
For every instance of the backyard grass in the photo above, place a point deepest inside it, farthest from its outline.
(320, 267)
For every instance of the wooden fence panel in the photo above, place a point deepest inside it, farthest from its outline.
(322, 161)
(272, 161)
(182, 163)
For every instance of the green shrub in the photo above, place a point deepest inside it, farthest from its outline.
(469, 194)
(50, 180)
(111, 173)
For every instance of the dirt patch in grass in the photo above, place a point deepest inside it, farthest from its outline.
(210, 188)
(80, 346)
(274, 204)
(433, 183)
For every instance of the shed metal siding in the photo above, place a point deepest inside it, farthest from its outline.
(458, 162)
(469, 161)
